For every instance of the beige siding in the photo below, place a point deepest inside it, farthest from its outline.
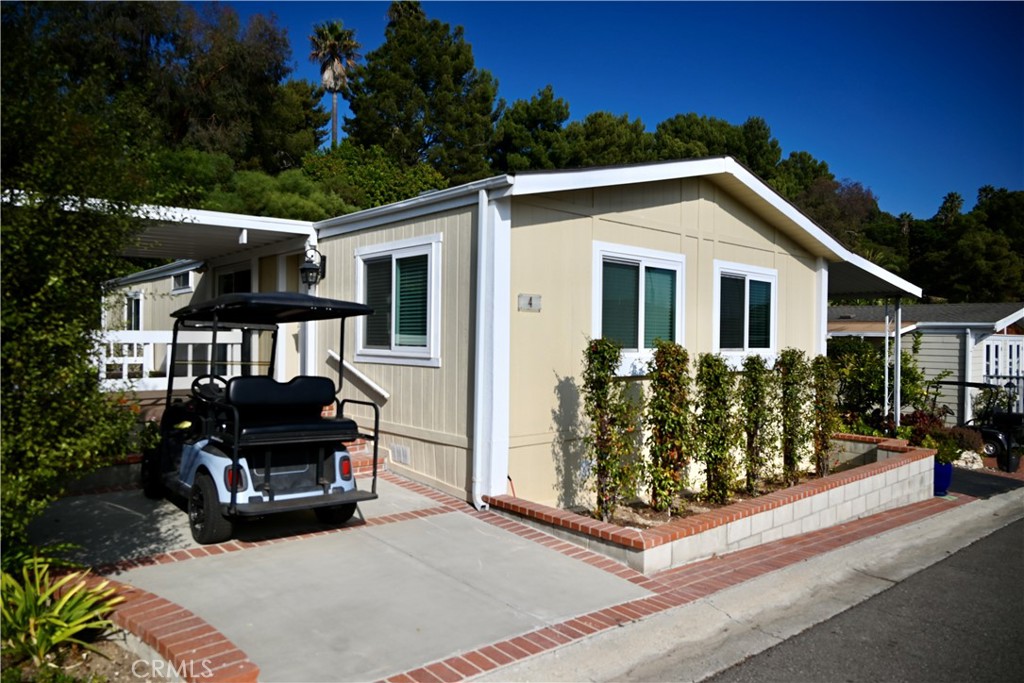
(552, 256)
(429, 409)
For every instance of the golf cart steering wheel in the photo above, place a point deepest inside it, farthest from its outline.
(213, 390)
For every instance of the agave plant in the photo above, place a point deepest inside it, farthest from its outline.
(42, 613)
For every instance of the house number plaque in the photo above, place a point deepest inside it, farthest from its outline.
(529, 302)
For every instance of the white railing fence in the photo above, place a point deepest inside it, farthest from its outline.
(139, 359)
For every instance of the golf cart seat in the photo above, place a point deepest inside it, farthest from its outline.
(268, 412)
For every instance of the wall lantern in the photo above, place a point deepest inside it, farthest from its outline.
(314, 268)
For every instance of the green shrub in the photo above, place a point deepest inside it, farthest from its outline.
(759, 404)
(825, 420)
(716, 426)
(42, 614)
(614, 416)
(669, 419)
(793, 376)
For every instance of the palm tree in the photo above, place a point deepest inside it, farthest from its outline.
(334, 48)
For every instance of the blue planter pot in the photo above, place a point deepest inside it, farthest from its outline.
(943, 478)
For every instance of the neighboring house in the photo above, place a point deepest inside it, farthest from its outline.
(487, 293)
(973, 343)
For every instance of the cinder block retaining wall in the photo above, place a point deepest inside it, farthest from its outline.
(899, 476)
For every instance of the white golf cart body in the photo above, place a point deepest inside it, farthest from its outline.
(250, 445)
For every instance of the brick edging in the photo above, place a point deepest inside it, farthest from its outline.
(195, 650)
(645, 539)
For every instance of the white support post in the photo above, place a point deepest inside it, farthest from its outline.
(897, 405)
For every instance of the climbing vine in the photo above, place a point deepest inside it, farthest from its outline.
(759, 403)
(716, 428)
(669, 421)
(614, 414)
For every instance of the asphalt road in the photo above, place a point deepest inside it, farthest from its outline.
(961, 619)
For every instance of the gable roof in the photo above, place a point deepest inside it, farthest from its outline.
(850, 275)
(994, 316)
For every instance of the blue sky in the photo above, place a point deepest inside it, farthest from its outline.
(913, 100)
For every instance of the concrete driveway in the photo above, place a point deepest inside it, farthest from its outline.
(423, 578)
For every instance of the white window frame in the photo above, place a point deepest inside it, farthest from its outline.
(185, 289)
(425, 356)
(128, 298)
(735, 357)
(635, 362)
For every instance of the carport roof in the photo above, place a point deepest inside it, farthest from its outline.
(175, 233)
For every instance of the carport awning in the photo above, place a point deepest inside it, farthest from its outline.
(173, 233)
(857, 277)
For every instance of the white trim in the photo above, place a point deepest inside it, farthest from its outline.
(429, 355)
(492, 367)
(635, 361)
(134, 296)
(821, 340)
(735, 356)
(188, 288)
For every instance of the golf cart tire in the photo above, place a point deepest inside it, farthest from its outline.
(208, 525)
(993, 449)
(152, 484)
(336, 515)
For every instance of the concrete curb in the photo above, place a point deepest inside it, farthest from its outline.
(720, 630)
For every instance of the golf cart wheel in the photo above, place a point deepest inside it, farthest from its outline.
(152, 484)
(335, 515)
(204, 518)
(993, 449)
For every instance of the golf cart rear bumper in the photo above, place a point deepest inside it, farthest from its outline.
(260, 507)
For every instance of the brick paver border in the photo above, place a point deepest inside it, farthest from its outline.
(199, 652)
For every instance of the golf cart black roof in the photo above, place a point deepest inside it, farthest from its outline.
(268, 308)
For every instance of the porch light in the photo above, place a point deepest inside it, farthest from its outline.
(314, 268)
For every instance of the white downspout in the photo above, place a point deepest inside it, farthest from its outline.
(968, 411)
(491, 377)
(897, 376)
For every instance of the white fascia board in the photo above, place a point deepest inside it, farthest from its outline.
(584, 179)
(907, 329)
(225, 220)
(1009, 320)
(430, 202)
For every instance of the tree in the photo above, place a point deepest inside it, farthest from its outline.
(420, 97)
(334, 47)
(529, 134)
(365, 178)
(75, 163)
(603, 139)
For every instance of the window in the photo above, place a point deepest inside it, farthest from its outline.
(181, 283)
(401, 281)
(133, 311)
(745, 309)
(638, 299)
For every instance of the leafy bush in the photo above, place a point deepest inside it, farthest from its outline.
(614, 427)
(669, 420)
(793, 376)
(967, 439)
(758, 393)
(825, 420)
(716, 425)
(42, 614)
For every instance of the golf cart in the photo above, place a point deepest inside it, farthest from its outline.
(241, 443)
(1002, 431)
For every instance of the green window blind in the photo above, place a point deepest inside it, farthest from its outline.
(659, 305)
(620, 303)
(759, 333)
(378, 297)
(731, 300)
(411, 305)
